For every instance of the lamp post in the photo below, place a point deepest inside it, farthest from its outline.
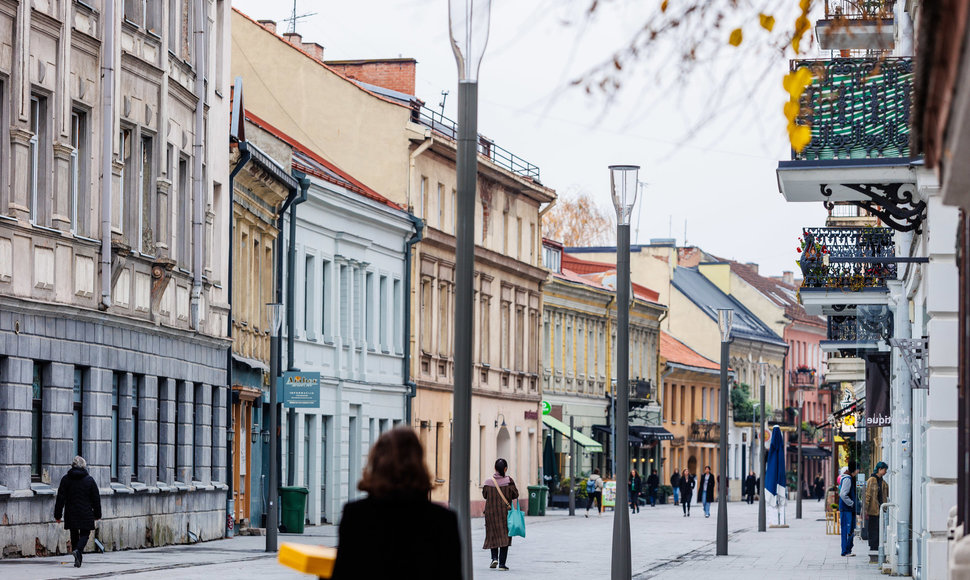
(762, 516)
(275, 315)
(725, 318)
(468, 27)
(800, 398)
(623, 186)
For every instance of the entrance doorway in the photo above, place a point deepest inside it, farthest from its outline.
(242, 422)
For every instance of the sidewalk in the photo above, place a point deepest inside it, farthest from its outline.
(557, 547)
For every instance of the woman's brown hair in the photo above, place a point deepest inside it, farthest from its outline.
(395, 466)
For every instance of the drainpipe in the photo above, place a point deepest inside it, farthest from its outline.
(410, 385)
(883, 532)
(291, 321)
(277, 351)
(902, 428)
(244, 157)
(198, 187)
(107, 131)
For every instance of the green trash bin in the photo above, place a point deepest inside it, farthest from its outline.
(293, 505)
(537, 500)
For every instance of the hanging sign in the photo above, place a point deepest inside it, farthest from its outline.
(877, 393)
(546, 407)
(301, 390)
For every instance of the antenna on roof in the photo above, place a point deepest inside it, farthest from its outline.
(295, 17)
(685, 232)
(444, 97)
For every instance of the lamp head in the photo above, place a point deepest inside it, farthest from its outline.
(623, 188)
(468, 27)
(725, 319)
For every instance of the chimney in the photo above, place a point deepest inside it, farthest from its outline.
(294, 38)
(313, 49)
(788, 278)
(268, 25)
(753, 266)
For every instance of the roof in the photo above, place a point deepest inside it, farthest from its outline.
(783, 295)
(584, 266)
(603, 275)
(305, 160)
(709, 298)
(672, 350)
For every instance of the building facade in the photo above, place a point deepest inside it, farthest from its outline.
(113, 308)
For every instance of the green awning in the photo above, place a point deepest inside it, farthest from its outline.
(589, 444)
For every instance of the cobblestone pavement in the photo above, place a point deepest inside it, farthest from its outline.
(665, 545)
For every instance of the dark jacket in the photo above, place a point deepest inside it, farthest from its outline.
(675, 480)
(398, 538)
(750, 485)
(78, 499)
(710, 487)
(497, 514)
(686, 488)
(653, 482)
(636, 484)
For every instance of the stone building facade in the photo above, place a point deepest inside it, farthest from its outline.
(112, 310)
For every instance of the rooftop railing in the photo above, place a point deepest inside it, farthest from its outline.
(446, 127)
(859, 9)
(857, 107)
(848, 258)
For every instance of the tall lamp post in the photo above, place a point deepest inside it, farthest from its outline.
(725, 318)
(275, 315)
(468, 27)
(800, 398)
(623, 186)
(762, 516)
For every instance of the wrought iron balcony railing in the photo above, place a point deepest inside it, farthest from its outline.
(857, 107)
(870, 324)
(859, 9)
(705, 432)
(848, 258)
(802, 379)
(444, 126)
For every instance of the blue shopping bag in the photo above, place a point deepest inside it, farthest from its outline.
(516, 521)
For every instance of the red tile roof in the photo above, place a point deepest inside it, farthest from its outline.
(784, 295)
(598, 272)
(675, 351)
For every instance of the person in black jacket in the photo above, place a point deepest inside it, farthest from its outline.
(653, 482)
(675, 485)
(636, 487)
(79, 501)
(705, 491)
(750, 484)
(396, 532)
(686, 491)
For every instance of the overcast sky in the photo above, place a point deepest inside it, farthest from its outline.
(707, 147)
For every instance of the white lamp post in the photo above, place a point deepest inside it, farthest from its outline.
(725, 319)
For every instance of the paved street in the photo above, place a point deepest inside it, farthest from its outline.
(665, 545)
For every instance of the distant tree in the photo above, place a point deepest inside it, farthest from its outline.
(576, 220)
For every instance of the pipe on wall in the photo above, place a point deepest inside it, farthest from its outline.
(410, 385)
(107, 131)
(198, 185)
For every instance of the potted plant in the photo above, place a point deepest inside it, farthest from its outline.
(663, 492)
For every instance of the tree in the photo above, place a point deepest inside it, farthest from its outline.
(576, 220)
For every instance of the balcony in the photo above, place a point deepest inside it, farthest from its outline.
(445, 127)
(704, 432)
(856, 25)
(803, 379)
(844, 267)
(868, 330)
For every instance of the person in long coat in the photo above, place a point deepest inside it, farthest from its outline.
(686, 491)
(498, 491)
(79, 501)
(396, 532)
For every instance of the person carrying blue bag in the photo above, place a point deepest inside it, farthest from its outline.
(498, 491)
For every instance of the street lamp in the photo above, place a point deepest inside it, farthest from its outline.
(762, 516)
(800, 398)
(725, 318)
(623, 187)
(468, 27)
(274, 313)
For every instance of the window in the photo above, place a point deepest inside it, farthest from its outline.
(398, 317)
(184, 227)
(39, 147)
(344, 301)
(324, 297)
(308, 299)
(518, 238)
(425, 202)
(505, 233)
(369, 320)
(176, 422)
(454, 212)
(115, 385)
(144, 13)
(485, 340)
(532, 243)
(36, 424)
(78, 409)
(135, 428)
(382, 314)
(173, 25)
(127, 174)
(441, 207)
(78, 203)
(444, 311)
(505, 336)
(146, 243)
(426, 315)
(552, 258)
(307, 430)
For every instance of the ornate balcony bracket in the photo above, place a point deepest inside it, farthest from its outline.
(894, 203)
(915, 352)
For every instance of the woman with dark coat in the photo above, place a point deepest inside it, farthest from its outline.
(686, 491)
(498, 491)
(79, 501)
(396, 532)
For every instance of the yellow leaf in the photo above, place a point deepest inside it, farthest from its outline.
(767, 21)
(800, 136)
(736, 37)
(805, 5)
(663, 6)
(791, 110)
(795, 83)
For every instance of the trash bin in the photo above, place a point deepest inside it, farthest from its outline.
(293, 505)
(537, 500)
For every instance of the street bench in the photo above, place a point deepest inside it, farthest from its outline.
(308, 559)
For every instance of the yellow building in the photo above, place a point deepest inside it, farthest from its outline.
(375, 128)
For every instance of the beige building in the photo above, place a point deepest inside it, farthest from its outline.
(377, 131)
(114, 266)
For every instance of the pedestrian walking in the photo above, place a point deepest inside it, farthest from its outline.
(686, 485)
(594, 492)
(819, 488)
(750, 484)
(705, 491)
(636, 486)
(847, 506)
(412, 533)
(653, 482)
(498, 491)
(877, 493)
(79, 501)
(675, 485)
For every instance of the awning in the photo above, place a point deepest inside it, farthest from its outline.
(648, 433)
(584, 441)
(633, 439)
(811, 452)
